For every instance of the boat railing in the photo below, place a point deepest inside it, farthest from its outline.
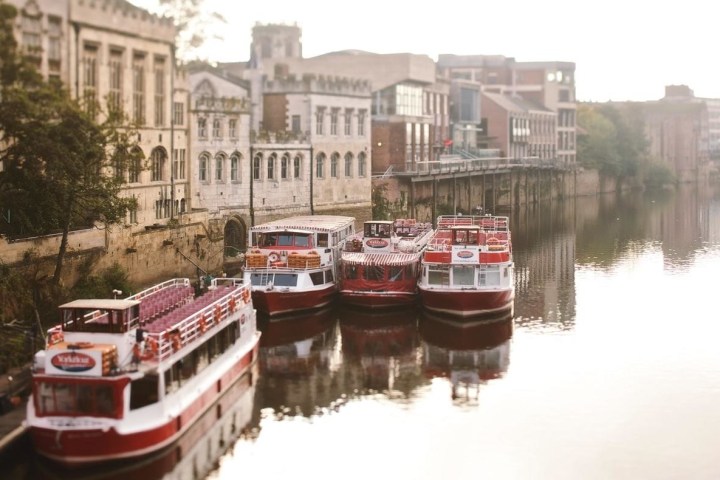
(189, 322)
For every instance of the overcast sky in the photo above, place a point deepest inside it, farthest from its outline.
(622, 49)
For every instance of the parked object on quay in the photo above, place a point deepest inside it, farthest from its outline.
(293, 263)
(125, 378)
(467, 268)
(380, 265)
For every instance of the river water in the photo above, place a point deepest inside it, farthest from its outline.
(608, 368)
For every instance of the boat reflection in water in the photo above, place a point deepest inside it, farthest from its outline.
(297, 360)
(194, 455)
(468, 354)
(379, 347)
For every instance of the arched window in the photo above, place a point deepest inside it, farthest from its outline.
(157, 164)
(361, 164)
(235, 162)
(204, 167)
(120, 165)
(285, 166)
(334, 160)
(297, 166)
(135, 164)
(320, 165)
(219, 167)
(272, 159)
(348, 164)
(257, 163)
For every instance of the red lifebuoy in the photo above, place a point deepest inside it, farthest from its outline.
(231, 304)
(175, 341)
(203, 325)
(217, 313)
(273, 257)
(246, 295)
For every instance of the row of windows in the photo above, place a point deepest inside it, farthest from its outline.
(222, 168)
(320, 121)
(218, 128)
(130, 172)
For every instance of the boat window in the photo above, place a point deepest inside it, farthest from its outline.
(351, 272)
(302, 240)
(95, 320)
(285, 240)
(329, 277)
(317, 278)
(374, 272)
(76, 399)
(463, 275)
(144, 391)
(439, 276)
(285, 280)
(322, 239)
(268, 239)
(396, 273)
(492, 277)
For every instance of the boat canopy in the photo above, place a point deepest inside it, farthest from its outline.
(380, 259)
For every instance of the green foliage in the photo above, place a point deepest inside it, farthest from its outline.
(57, 169)
(613, 139)
(380, 203)
(102, 284)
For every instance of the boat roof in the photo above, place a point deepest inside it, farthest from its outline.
(379, 258)
(316, 223)
(386, 222)
(101, 304)
(465, 227)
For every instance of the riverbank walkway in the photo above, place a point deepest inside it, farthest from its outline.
(14, 389)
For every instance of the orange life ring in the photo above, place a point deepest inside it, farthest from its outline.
(274, 257)
(246, 295)
(203, 325)
(231, 304)
(217, 313)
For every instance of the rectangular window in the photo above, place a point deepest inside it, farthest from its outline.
(284, 167)
(296, 167)
(296, 124)
(232, 128)
(90, 78)
(178, 113)
(179, 164)
(115, 93)
(54, 53)
(32, 35)
(348, 121)
(159, 92)
(202, 128)
(319, 120)
(217, 128)
(361, 122)
(139, 88)
(334, 113)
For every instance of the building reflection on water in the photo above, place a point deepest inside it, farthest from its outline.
(468, 354)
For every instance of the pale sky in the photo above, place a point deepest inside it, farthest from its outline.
(622, 50)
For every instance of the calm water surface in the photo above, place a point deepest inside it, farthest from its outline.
(608, 368)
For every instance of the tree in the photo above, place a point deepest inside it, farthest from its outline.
(58, 161)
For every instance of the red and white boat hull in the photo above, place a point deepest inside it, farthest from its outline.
(467, 303)
(278, 302)
(378, 300)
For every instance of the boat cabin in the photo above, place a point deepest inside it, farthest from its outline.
(378, 229)
(100, 316)
(466, 235)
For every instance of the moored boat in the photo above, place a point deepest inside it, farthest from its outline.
(292, 264)
(380, 265)
(467, 267)
(124, 378)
